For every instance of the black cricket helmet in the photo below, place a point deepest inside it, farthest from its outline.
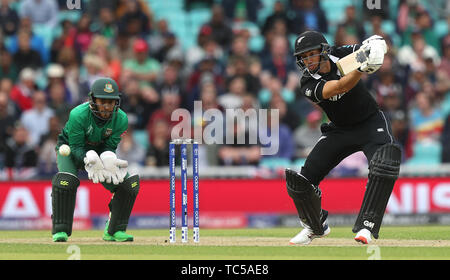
(308, 41)
(104, 88)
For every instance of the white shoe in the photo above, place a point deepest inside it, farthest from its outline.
(307, 235)
(364, 236)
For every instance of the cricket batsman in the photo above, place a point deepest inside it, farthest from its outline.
(93, 132)
(356, 124)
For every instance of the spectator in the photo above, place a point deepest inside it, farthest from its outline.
(55, 75)
(158, 151)
(280, 62)
(137, 104)
(418, 52)
(443, 70)
(275, 87)
(221, 32)
(8, 68)
(416, 80)
(249, 12)
(307, 15)
(423, 24)
(65, 40)
(131, 150)
(239, 66)
(47, 155)
(307, 134)
(100, 47)
(106, 25)
(44, 12)
(6, 86)
(426, 119)
(284, 139)
(94, 66)
(445, 139)
(171, 82)
(122, 48)
(237, 153)
(134, 21)
(169, 103)
(141, 67)
(9, 19)
(401, 131)
(21, 93)
(388, 92)
(95, 6)
(239, 48)
(286, 115)
(8, 117)
(205, 47)
(36, 41)
(208, 68)
(351, 25)
(233, 99)
(36, 120)
(67, 58)
(83, 35)
(57, 102)
(279, 14)
(25, 55)
(20, 157)
(376, 22)
(169, 46)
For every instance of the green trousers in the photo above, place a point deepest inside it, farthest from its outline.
(67, 164)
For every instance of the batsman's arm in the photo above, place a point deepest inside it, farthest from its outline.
(346, 83)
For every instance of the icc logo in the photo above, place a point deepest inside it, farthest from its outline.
(373, 4)
(73, 4)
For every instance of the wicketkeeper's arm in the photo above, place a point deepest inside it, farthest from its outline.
(75, 131)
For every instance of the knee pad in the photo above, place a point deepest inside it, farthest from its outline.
(122, 204)
(307, 199)
(384, 169)
(64, 191)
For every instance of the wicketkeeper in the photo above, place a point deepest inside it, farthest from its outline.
(356, 124)
(93, 132)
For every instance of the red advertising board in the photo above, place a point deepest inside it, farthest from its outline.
(31, 199)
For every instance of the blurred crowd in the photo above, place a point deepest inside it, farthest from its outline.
(43, 77)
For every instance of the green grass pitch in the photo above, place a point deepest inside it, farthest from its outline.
(395, 243)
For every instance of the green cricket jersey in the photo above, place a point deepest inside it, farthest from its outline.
(84, 132)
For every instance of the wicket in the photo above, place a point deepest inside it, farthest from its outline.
(184, 196)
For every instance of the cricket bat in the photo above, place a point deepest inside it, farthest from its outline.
(352, 61)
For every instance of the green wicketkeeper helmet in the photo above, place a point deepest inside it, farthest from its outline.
(104, 88)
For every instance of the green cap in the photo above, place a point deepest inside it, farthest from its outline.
(105, 88)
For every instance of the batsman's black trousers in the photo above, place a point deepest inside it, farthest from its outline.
(336, 143)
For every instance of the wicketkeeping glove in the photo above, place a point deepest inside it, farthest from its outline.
(94, 167)
(117, 168)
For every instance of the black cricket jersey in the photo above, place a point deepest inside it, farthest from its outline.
(346, 109)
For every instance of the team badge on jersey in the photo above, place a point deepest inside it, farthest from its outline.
(108, 132)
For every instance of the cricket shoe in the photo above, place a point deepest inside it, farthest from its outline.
(307, 235)
(60, 237)
(364, 236)
(119, 236)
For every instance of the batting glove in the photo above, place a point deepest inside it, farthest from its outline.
(375, 41)
(94, 167)
(117, 168)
